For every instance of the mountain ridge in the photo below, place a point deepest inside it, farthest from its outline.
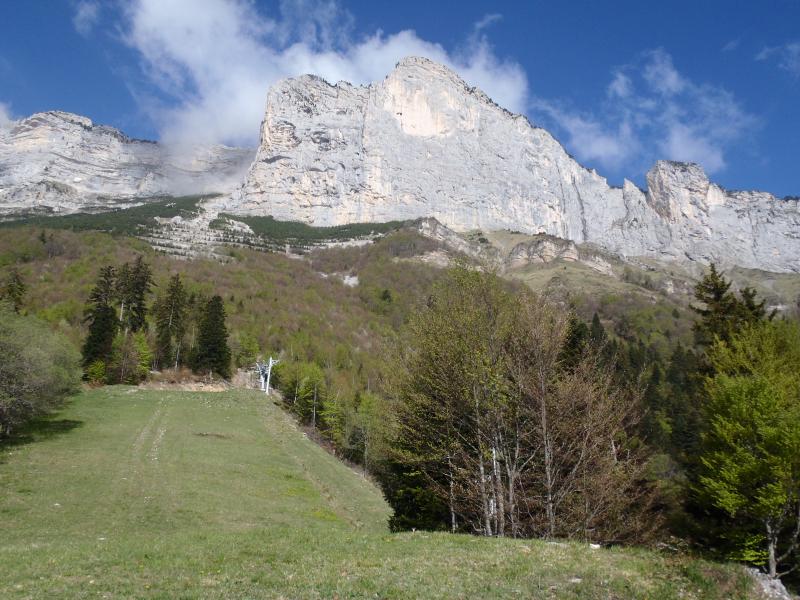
(420, 143)
(57, 161)
(329, 155)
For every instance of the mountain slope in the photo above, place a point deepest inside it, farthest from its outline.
(61, 162)
(422, 143)
(130, 493)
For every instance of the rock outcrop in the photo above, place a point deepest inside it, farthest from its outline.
(422, 143)
(61, 162)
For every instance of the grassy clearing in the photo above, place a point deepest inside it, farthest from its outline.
(151, 494)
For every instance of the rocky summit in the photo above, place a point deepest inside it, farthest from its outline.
(422, 143)
(61, 162)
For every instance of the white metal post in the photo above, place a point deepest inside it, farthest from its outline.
(272, 362)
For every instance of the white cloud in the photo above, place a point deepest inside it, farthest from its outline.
(592, 140)
(688, 145)
(661, 75)
(87, 13)
(787, 55)
(215, 65)
(732, 45)
(652, 111)
(488, 20)
(7, 120)
(620, 86)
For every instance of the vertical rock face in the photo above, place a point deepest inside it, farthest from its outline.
(59, 161)
(422, 143)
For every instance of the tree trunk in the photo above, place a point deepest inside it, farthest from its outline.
(452, 496)
(772, 543)
(487, 516)
(314, 414)
(499, 494)
(548, 471)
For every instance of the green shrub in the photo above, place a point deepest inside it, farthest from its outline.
(96, 372)
(37, 370)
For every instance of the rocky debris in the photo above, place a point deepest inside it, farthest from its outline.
(421, 143)
(58, 162)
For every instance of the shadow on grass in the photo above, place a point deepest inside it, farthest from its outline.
(39, 430)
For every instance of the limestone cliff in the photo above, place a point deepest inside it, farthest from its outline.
(421, 143)
(61, 162)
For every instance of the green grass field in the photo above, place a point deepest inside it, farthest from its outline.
(133, 493)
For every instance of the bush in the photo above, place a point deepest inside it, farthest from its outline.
(38, 369)
(130, 359)
(96, 373)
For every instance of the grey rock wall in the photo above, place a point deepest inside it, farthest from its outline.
(61, 162)
(421, 143)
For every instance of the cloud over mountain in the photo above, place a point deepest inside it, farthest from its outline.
(213, 67)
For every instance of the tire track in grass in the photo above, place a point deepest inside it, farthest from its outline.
(131, 487)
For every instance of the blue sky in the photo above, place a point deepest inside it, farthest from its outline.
(620, 84)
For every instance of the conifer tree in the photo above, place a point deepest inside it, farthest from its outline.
(750, 309)
(720, 310)
(577, 339)
(122, 290)
(170, 314)
(212, 353)
(724, 314)
(720, 303)
(597, 333)
(14, 289)
(140, 285)
(101, 318)
(134, 282)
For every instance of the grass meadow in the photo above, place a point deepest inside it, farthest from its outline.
(134, 493)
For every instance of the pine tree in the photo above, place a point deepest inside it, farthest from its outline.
(14, 289)
(750, 309)
(212, 353)
(720, 304)
(122, 291)
(133, 284)
(720, 310)
(102, 320)
(724, 314)
(170, 314)
(140, 284)
(575, 343)
(597, 333)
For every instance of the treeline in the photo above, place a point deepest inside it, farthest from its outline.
(127, 336)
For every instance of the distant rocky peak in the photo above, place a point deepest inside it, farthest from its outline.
(674, 187)
(423, 143)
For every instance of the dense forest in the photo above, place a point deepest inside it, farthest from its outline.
(478, 404)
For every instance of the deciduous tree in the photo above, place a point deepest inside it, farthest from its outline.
(750, 453)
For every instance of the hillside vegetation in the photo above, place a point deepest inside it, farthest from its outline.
(135, 220)
(274, 303)
(130, 493)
